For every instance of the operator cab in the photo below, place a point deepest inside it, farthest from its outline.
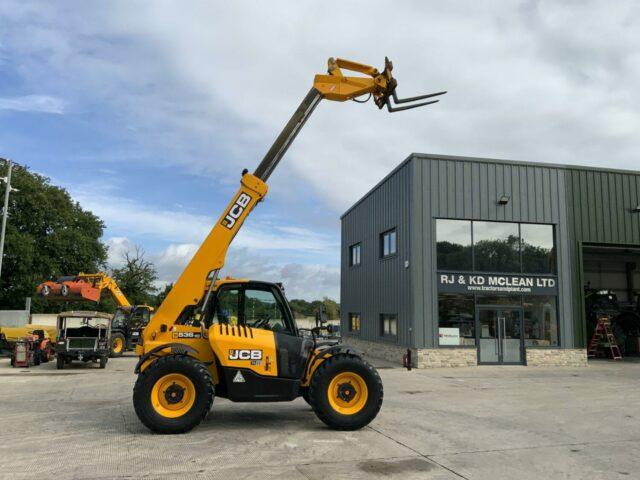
(253, 304)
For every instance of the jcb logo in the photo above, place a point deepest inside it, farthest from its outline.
(236, 210)
(245, 354)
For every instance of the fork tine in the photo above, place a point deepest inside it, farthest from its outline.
(408, 107)
(413, 99)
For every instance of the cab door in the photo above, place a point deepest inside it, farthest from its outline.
(265, 308)
(236, 345)
(255, 340)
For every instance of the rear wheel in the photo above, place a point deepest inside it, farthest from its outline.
(345, 392)
(59, 362)
(173, 395)
(117, 344)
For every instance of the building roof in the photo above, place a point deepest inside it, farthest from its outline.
(435, 156)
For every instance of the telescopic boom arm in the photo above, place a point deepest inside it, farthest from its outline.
(190, 289)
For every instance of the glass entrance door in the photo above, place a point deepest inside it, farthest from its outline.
(501, 335)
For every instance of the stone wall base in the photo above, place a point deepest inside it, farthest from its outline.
(464, 357)
(447, 357)
(557, 357)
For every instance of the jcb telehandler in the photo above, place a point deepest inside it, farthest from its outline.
(237, 338)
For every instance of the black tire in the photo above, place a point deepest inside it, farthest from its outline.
(199, 376)
(319, 392)
(119, 336)
(103, 361)
(59, 362)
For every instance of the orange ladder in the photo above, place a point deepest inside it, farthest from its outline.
(602, 334)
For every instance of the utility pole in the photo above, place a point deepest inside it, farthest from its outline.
(5, 209)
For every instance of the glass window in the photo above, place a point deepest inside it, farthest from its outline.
(118, 319)
(496, 247)
(227, 306)
(354, 255)
(538, 252)
(499, 300)
(388, 243)
(262, 310)
(389, 325)
(354, 322)
(453, 245)
(139, 318)
(540, 321)
(456, 320)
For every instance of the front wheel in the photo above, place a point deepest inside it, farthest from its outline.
(103, 361)
(346, 392)
(117, 345)
(59, 362)
(173, 394)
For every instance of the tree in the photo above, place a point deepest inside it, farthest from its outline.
(136, 278)
(332, 308)
(48, 235)
(162, 294)
(305, 309)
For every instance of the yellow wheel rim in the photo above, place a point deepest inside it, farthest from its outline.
(173, 395)
(347, 393)
(117, 344)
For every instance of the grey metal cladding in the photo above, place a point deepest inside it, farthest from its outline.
(469, 188)
(378, 285)
(600, 207)
(585, 204)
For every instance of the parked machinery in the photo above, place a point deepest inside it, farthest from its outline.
(83, 336)
(624, 317)
(129, 320)
(25, 353)
(36, 342)
(238, 337)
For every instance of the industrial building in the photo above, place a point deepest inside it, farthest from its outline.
(467, 261)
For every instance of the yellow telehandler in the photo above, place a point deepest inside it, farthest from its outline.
(237, 338)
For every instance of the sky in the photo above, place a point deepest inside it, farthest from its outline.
(147, 112)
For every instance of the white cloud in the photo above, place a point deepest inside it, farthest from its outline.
(211, 84)
(525, 82)
(307, 281)
(540, 81)
(117, 248)
(132, 218)
(33, 103)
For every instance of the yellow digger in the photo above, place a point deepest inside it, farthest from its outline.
(236, 338)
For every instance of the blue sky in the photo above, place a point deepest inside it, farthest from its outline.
(148, 111)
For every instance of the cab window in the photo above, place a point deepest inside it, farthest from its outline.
(118, 319)
(139, 318)
(262, 310)
(227, 307)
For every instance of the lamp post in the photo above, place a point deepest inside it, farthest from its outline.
(5, 209)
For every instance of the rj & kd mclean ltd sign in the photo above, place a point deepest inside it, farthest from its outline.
(497, 283)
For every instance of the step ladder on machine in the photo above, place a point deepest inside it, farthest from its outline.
(602, 335)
